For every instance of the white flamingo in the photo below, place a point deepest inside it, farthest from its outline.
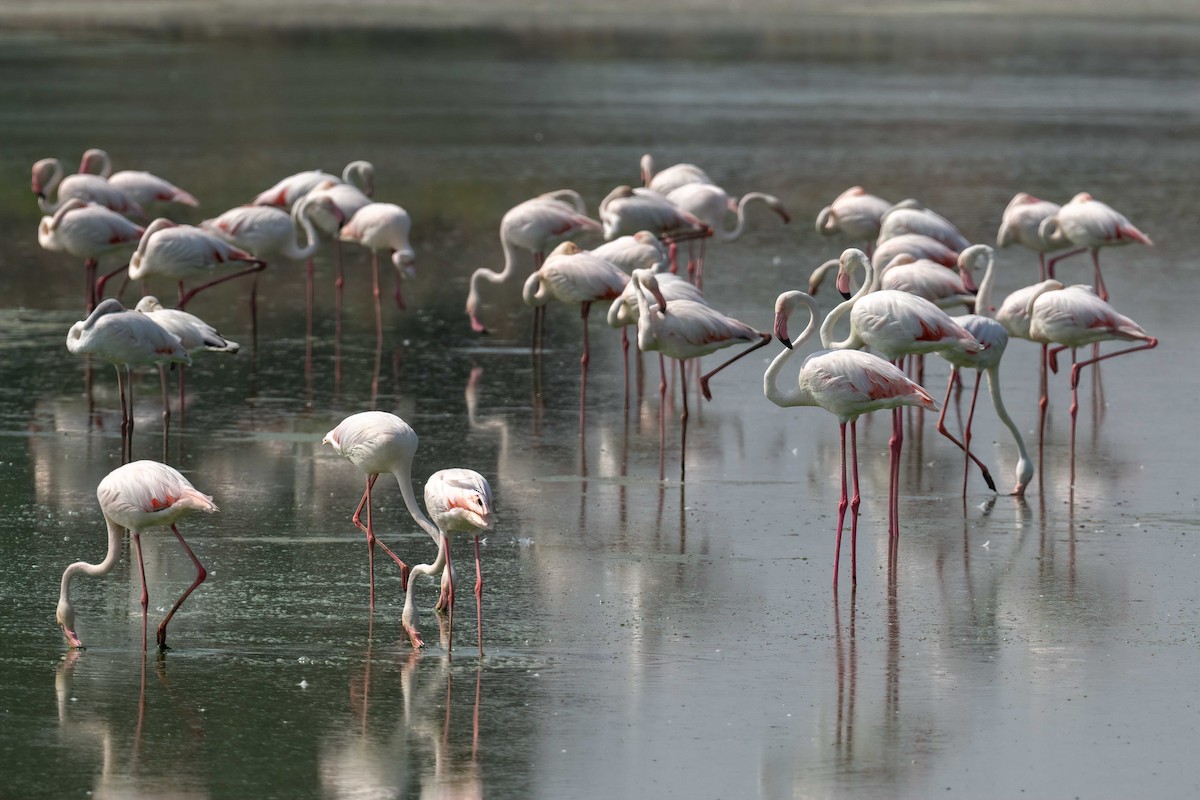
(48, 178)
(854, 213)
(671, 178)
(87, 231)
(1089, 224)
(142, 187)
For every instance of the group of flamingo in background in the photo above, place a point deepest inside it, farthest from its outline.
(914, 264)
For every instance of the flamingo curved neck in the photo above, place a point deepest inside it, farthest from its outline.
(115, 534)
(831, 320)
(983, 293)
(293, 250)
(51, 187)
(798, 395)
(534, 291)
(1024, 463)
(410, 502)
(491, 275)
(730, 234)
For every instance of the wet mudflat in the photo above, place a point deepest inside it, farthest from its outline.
(642, 637)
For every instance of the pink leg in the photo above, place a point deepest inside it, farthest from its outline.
(683, 421)
(625, 363)
(1041, 267)
(843, 504)
(1101, 289)
(369, 530)
(308, 320)
(662, 413)
(478, 595)
(1053, 262)
(584, 308)
(1043, 405)
(450, 600)
(944, 431)
(967, 434)
(1074, 412)
(89, 284)
(126, 455)
(376, 294)
(185, 297)
(764, 340)
(137, 545)
(893, 471)
(855, 502)
(201, 574)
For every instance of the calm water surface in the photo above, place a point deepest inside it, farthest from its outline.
(643, 637)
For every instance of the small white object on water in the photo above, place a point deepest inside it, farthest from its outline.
(303, 684)
(987, 545)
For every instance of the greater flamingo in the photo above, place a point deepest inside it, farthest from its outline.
(626, 209)
(1089, 224)
(288, 191)
(854, 213)
(137, 496)
(127, 339)
(184, 252)
(846, 383)
(48, 176)
(142, 187)
(378, 442)
(194, 333)
(917, 245)
(945, 288)
(1021, 224)
(383, 226)
(575, 277)
(896, 324)
(683, 330)
(909, 216)
(87, 231)
(671, 178)
(712, 203)
(992, 335)
(457, 500)
(1072, 317)
(536, 225)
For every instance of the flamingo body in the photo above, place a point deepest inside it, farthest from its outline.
(854, 213)
(194, 333)
(917, 245)
(142, 187)
(668, 180)
(125, 338)
(711, 204)
(627, 209)
(288, 191)
(382, 226)
(48, 177)
(87, 230)
(907, 217)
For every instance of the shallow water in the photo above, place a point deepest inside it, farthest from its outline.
(642, 636)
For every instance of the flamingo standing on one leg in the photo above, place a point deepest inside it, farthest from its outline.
(457, 500)
(854, 213)
(87, 231)
(183, 252)
(137, 496)
(684, 330)
(127, 339)
(143, 188)
(847, 383)
(992, 335)
(535, 225)
(575, 277)
(896, 324)
(1021, 224)
(1089, 224)
(1072, 317)
(383, 226)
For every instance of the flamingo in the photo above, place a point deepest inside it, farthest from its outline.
(1021, 224)
(854, 213)
(909, 216)
(126, 339)
(87, 231)
(377, 442)
(457, 500)
(1072, 317)
(846, 383)
(575, 277)
(668, 180)
(138, 496)
(288, 191)
(536, 225)
(141, 187)
(627, 209)
(641, 250)
(993, 336)
(917, 245)
(943, 287)
(1089, 224)
(383, 226)
(683, 330)
(710, 203)
(194, 333)
(896, 324)
(48, 176)
(182, 252)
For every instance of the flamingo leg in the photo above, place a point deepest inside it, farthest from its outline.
(98, 290)
(201, 574)
(166, 412)
(662, 412)
(843, 503)
(1041, 267)
(1043, 405)
(137, 545)
(625, 363)
(967, 434)
(1074, 412)
(893, 470)
(1053, 262)
(584, 308)
(944, 431)
(764, 339)
(254, 312)
(683, 421)
(308, 320)
(89, 284)
(1100, 287)
(369, 530)
(855, 502)
(185, 297)
(450, 597)
(126, 456)
(478, 595)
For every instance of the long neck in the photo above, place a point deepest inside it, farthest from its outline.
(645, 320)
(310, 232)
(115, 535)
(798, 395)
(51, 188)
(729, 234)
(993, 376)
(851, 342)
(983, 294)
(414, 510)
(491, 275)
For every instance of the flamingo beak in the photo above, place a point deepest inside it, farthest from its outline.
(781, 331)
(843, 284)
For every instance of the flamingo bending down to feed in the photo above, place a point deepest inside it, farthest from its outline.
(575, 277)
(1089, 224)
(1072, 317)
(846, 383)
(671, 178)
(142, 187)
(183, 252)
(48, 176)
(536, 225)
(992, 335)
(1022, 224)
(87, 231)
(896, 324)
(854, 213)
(458, 500)
(288, 191)
(138, 496)
(127, 339)
(683, 330)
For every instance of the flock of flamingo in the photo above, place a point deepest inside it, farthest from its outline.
(914, 264)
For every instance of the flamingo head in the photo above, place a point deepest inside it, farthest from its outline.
(66, 620)
(405, 261)
(827, 221)
(43, 175)
(1024, 476)
(94, 161)
(852, 258)
(783, 310)
(650, 284)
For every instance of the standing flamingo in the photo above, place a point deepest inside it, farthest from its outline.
(909, 216)
(917, 245)
(711, 204)
(126, 339)
(138, 496)
(1072, 317)
(383, 226)
(846, 383)
(48, 177)
(854, 213)
(457, 500)
(142, 187)
(536, 225)
(377, 442)
(896, 324)
(288, 191)
(575, 277)
(668, 180)
(943, 287)
(683, 330)
(627, 209)
(183, 252)
(87, 231)
(194, 333)
(992, 335)
(1021, 224)
(1089, 224)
